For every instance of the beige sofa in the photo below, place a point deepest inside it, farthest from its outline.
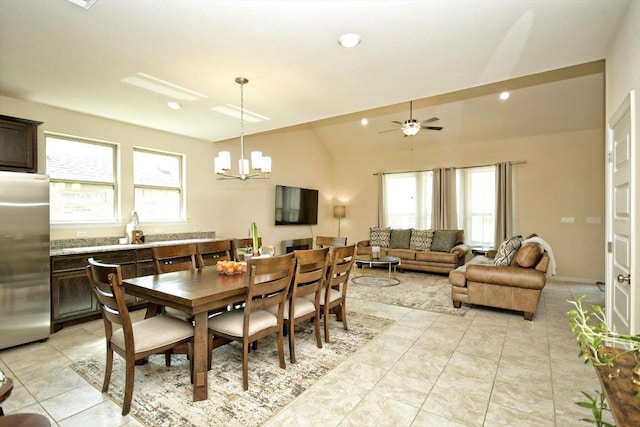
(431, 261)
(516, 286)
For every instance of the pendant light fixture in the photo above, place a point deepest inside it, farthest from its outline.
(260, 166)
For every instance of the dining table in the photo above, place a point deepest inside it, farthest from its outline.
(195, 292)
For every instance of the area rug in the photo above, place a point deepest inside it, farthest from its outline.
(163, 396)
(423, 291)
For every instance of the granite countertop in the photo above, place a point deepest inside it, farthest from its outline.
(111, 248)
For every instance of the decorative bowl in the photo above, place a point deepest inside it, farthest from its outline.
(229, 268)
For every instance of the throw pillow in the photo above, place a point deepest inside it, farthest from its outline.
(400, 239)
(379, 236)
(528, 255)
(421, 240)
(444, 240)
(507, 250)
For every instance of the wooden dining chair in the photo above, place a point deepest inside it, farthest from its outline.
(334, 294)
(240, 244)
(304, 296)
(174, 257)
(327, 241)
(133, 341)
(268, 284)
(209, 253)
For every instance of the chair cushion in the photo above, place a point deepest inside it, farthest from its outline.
(334, 295)
(231, 322)
(303, 306)
(380, 236)
(154, 332)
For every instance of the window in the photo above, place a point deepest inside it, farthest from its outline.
(408, 200)
(157, 179)
(476, 198)
(82, 179)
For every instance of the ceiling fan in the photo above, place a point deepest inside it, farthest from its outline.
(411, 127)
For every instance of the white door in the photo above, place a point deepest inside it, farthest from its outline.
(621, 297)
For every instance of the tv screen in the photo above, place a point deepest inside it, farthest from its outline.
(296, 206)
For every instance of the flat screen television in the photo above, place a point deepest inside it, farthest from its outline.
(296, 206)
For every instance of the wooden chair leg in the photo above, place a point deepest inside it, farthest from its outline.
(316, 327)
(245, 365)
(281, 349)
(343, 310)
(128, 388)
(107, 370)
(290, 324)
(326, 325)
(167, 358)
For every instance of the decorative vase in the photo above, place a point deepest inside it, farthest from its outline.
(254, 236)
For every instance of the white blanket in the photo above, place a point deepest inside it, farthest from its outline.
(551, 270)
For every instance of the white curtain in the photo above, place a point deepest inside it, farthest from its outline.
(380, 179)
(504, 202)
(445, 215)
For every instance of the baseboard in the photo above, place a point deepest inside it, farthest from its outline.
(577, 280)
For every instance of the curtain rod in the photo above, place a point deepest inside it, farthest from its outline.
(519, 162)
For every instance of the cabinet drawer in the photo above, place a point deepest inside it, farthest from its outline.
(146, 268)
(76, 262)
(144, 254)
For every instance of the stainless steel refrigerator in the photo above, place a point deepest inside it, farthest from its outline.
(25, 302)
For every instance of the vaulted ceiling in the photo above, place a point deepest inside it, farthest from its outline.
(56, 53)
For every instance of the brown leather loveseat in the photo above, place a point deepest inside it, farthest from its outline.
(516, 286)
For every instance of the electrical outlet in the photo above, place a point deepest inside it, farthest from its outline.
(568, 220)
(158, 230)
(594, 220)
(81, 234)
(196, 229)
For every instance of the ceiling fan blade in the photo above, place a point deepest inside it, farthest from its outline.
(390, 130)
(397, 122)
(431, 120)
(432, 127)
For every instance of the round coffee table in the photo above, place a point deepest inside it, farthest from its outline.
(386, 260)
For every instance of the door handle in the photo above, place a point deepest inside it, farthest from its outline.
(622, 279)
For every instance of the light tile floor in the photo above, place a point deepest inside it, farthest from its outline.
(488, 368)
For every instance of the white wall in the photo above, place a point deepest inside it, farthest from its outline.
(226, 207)
(623, 76)
(563, 176)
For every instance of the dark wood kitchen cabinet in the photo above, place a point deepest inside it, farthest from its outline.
(18, 144)
(72, 300)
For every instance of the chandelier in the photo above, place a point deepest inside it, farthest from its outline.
(260, 166)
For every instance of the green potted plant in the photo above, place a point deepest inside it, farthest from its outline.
(594, 337)
(592, 333)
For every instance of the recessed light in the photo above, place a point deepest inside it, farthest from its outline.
(364, 122)
(349, 40)
(504, 96)
(174, 105)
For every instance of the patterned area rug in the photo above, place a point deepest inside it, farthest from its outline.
(423, 291)
(164, 396)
